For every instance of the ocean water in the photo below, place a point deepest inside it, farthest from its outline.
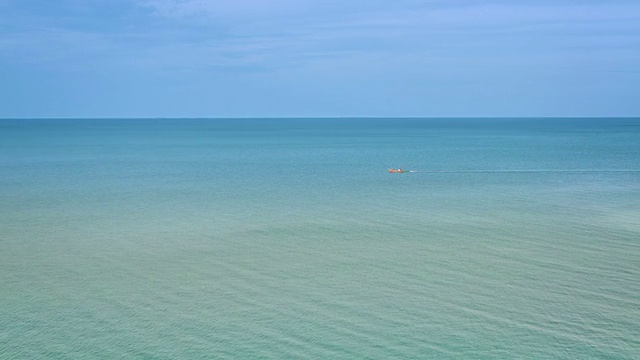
(288, 238)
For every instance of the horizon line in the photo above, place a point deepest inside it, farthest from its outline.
(307, 117)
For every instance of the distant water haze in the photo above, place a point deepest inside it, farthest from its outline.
(288, 238)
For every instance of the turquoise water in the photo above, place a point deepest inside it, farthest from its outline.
(288, 238)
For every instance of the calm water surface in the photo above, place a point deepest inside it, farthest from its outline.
(287, 238)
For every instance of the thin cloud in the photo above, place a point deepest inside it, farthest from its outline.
(222, 9)
(456, 43)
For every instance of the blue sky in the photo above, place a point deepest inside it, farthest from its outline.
(246, 58)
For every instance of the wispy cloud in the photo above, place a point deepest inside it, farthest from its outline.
(227, 10)
(405, 27)
(279, 33)
(464, 42)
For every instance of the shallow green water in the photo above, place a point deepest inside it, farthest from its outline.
(287, 238)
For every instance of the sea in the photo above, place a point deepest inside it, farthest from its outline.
(505, 238)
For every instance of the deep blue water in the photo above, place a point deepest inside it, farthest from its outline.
(288, 238)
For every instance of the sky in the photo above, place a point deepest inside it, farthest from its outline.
(312, 58)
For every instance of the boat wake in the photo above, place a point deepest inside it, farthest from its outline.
(526, 171)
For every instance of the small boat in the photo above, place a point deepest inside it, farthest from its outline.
(398, 170)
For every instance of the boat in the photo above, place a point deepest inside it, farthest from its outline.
(398, 170)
